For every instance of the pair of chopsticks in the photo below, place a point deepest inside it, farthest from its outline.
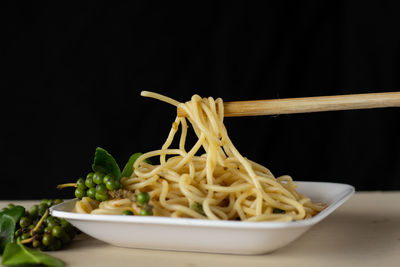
(308, 104)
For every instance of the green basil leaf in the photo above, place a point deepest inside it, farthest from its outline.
(18, 254)
(104, 162)
(8, 221)
(196, 206)
(128, 169)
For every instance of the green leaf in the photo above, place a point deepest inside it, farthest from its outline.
(18, 254)
(128, 169)
(104, 162)
(8, 221)
(196, 206)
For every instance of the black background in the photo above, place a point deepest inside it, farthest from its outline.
(73, 76)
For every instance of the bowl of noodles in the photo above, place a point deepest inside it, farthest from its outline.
(206, 198)
(203, 235)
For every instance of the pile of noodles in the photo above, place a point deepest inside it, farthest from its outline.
(218, 184)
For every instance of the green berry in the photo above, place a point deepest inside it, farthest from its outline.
(25, 222)
(112, 184)
(57, 231)
(91, 192)
(90, 175)
(52, 223)
(89, 182)
(108, 177)
(127, 212)
(101, 197)
(36, 243)
(47, 240)
(98, 177)
(46, 201)
(143, 198)
(80, 192)
(64, 223)
(34, 211)
(81, 182)
(57, 201)
(101, 189)
(48, 229)
(144, 212)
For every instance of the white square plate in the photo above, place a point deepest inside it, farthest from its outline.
(234, 237)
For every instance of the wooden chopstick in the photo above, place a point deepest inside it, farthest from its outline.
(308, 104)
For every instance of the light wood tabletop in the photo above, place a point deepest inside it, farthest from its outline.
(365, 231)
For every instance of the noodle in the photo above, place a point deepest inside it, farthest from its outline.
(221, 183)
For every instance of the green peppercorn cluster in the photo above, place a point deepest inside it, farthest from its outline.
(97, 185)
(39, 230)
(142, 200)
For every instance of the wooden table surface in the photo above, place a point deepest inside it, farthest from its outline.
(365, 231)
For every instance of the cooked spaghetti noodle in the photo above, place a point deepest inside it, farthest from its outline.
(219, 184)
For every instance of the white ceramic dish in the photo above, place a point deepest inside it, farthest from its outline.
(234, 237)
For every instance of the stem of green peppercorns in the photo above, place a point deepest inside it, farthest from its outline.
(40, 221)
(61, 186)
(26, 241)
